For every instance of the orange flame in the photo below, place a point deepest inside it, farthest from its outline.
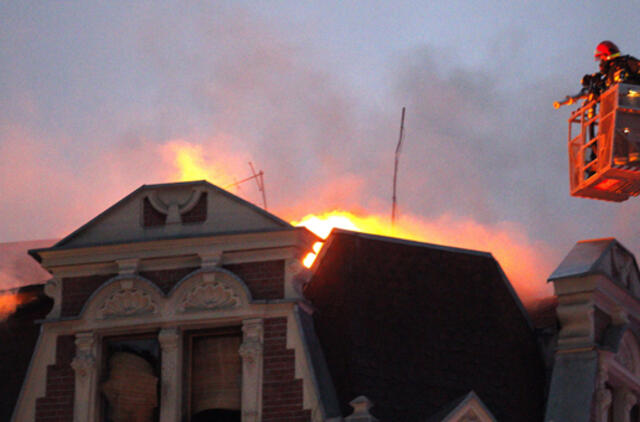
(521, 260)
(191, 162)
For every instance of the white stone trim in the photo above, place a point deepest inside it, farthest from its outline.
(251, 352)
(471, 409)
(53, 289)
(35, 381)
(85, 369)
(303, 370)
(170, 340)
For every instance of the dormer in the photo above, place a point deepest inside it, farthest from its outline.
(596, 374)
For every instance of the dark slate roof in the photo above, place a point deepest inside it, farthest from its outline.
(18, 336)
(415, 326)
(604, 257)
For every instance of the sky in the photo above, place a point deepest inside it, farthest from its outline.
(101, 97)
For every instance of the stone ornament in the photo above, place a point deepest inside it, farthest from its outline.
(127, 301)
(53, 289)
(361, 410)
(209, 294)
(176, 204)
(83, 363)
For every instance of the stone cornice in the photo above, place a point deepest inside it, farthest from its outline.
(296, 241)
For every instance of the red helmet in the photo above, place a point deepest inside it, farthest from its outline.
(606, 50)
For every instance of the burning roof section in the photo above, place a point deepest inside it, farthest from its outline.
(415, 326)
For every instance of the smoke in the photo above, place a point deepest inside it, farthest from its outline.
(88, 118)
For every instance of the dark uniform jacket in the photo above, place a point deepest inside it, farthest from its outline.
(621, 69)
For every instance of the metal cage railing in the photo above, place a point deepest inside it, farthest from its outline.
(604, 153)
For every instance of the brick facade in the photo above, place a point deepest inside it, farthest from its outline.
(76, 291)
(282, 393)
(57, 404)
(166, 279)
(265, 279)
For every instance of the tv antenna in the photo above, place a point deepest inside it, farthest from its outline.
(394, 201)
(259, 178)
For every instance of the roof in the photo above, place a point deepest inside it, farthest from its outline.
(18, 336)
(415, 326)
(16, 266)
(605, 257)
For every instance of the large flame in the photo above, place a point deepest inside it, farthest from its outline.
(521, 260)
(192, 162)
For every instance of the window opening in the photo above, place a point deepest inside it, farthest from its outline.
(130, 381)
(213, 375)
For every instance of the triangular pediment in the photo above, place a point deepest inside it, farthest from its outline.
(466, 409)
(170, 211)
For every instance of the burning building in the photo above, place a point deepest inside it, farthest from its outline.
(183, 302)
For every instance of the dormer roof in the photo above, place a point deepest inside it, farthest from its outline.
(605, 257)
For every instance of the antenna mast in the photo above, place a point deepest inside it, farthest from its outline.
(259, 177)
(260, 182)
(395, 171)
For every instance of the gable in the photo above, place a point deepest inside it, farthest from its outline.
(466, 409)
(176, 210)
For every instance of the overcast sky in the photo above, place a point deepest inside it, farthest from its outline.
(97, 95)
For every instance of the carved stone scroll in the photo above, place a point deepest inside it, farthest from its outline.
(53, 289)
(127, 301)
(209, 294)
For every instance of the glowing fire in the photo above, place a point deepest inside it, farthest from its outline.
(192, 163)
(520, 259)
(9, 302)
(322, 225)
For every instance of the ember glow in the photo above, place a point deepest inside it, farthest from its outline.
(521, 260)
(9, 302)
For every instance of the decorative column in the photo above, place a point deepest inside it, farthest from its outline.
(84, 365)
(251, 353)
(171, 377)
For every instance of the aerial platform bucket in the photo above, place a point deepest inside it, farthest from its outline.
(604, 157)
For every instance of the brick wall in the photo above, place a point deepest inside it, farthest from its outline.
(166, 279)
(265, 280)
(57, 404)
(76, 290)
(281, 392)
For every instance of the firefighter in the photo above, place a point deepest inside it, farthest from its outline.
(615, 67)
